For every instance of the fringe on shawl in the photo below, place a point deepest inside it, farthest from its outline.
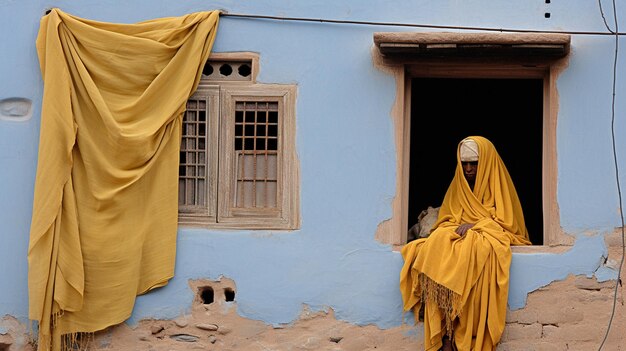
(45, 340)
(78, 341)
(448, 301)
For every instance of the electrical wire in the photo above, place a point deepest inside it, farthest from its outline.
(619, 191)
(603, 17)
(414, 25)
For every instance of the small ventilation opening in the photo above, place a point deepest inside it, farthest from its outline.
(226, 70)
(547, 14)
(244, 70)
(207, 70)
(207, 295)
(229, 294)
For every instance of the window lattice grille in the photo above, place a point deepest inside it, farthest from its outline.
(192, 180)
(256, 149)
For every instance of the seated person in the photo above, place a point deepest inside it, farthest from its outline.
(460, 273)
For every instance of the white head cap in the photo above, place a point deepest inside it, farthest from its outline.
(468, 150)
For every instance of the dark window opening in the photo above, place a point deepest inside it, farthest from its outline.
(509, 112)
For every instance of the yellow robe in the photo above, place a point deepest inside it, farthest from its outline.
(463, 281)
(105, 208)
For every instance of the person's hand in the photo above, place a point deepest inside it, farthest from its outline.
(462, 229)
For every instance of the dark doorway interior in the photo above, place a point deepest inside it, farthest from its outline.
(509, 112)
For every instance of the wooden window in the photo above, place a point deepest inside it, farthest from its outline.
(258, 177)
(238, 167)
(197, 173)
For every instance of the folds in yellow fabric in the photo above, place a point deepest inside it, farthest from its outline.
(462, 281)
(105, 206)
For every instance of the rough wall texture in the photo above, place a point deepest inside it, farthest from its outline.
(14, 336)
(568, 315)
(572, 314)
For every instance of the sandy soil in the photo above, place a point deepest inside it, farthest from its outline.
(217, 326)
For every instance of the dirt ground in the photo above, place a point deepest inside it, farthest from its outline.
(217, 326)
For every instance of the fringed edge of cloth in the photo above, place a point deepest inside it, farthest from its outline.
(448, 301)
(45, 340)
(77, 341)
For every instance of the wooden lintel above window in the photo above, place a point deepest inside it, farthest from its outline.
(444, 45)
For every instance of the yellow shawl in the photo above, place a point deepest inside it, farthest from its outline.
(463, 281)
(105, 207)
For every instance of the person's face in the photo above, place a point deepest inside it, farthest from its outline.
(469, 170)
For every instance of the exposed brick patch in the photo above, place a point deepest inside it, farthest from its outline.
(522, 332)
(572, 314)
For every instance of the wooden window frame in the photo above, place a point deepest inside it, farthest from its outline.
(221, 212)
(405, 68)
(197, 215)
(284, 216)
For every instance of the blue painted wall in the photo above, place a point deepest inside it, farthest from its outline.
(346, 148)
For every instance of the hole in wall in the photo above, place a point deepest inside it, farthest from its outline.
(547, 14)
(244, 70)
(4, 347)
(229, 294)
(207, 70)
(226, 70)
(211, 293)
(207, 295)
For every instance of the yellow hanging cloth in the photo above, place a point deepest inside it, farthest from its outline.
(105, 206)
(463, 281)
